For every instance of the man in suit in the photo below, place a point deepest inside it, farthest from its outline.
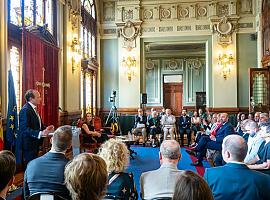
(184, 127)
(46, 173)
(7, 171)
(213, 142)
(161, 182)
(140, 125)
(31, 127)
(235, 180)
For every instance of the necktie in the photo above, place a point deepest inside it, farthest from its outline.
(39, 120)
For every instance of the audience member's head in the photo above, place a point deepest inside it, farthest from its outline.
(184, 112)
(7, 171)
(32, 96)
(169, 152)
(224, 118)
(88, 117)
(264, 117)
(62, 138)
(250, 116)
(154, 114)
(86, 177)
(234, 148)
(168, 111)
(243, 117)
(250, 127)
(195, 114)
(214, 118)
(140, 111)
(257, 116)
(115, 154)
(153, 109)
(200, 111)
(191, 186)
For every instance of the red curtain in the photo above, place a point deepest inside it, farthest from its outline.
(40, 71)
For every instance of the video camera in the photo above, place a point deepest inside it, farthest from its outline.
(113, 96)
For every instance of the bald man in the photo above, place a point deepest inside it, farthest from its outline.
(235, 180)
(213, 142)
(161, 182)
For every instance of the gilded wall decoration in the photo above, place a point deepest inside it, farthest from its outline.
(148, 29)
(149, 64)
(165, 13)
(148, 14)
(183, 12)
(202, 27)
(74, 13)
(109, 11)
(127, 15)
(183, 28)
(173, 64)
(223, 10)
(202, 11)
(165, 28)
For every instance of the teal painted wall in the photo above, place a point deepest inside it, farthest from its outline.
(109, 71)
(247, 58)
(199, 84)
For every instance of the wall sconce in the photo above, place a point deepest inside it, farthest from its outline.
(225, 63)
(75, 53)
(129, 67)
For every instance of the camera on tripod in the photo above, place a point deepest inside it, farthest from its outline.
(112, 97)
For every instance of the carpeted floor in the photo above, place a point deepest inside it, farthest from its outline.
(147, 159)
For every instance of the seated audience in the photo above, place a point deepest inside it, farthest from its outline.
(196, 122)
(150, 114)
(257, 117)
(86, 177)
(7, 171)
(191, 186)
(121, 184)
(163, 112)
(235, 180)
(161, 182)
(250, 116)
(46, 173)
(184, 123)
(154, 127)
(262, 159)
(213, 142)
(168, 122)
(240, 118)
(264, 120)
(140, 125)
(255, 142)
(88, 131)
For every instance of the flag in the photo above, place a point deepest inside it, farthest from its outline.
(1, 136)
(12, 116)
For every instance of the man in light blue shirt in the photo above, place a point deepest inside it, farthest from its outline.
(255, 141)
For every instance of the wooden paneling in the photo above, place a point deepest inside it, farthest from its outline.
(172, 95)
(266, 33)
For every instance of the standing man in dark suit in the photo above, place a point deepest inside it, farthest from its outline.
(235, 180)
(31, 127)
(184, 127)
(7, 171)
(213, 142)
(46, 173)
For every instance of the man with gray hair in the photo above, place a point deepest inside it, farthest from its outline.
(46, 173)
(161, 182)
(235, 180)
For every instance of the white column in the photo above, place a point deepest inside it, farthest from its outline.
(3, 56)
(224, 91)
(129, 91)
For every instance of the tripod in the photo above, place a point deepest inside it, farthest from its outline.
(114, 119)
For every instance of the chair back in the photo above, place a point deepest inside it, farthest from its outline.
(45, 196)
(97, 123)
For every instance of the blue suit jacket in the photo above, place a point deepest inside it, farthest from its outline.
(184, 124)
(225, 130)
(29, 129)
(237, 181)
(46, 174)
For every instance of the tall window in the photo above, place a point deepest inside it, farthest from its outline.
(32, 12)
(23, 13)
(88, 35)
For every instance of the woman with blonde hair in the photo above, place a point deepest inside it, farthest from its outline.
(120, 184)
(86, 177)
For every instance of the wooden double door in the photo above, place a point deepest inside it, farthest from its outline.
(172, 97)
